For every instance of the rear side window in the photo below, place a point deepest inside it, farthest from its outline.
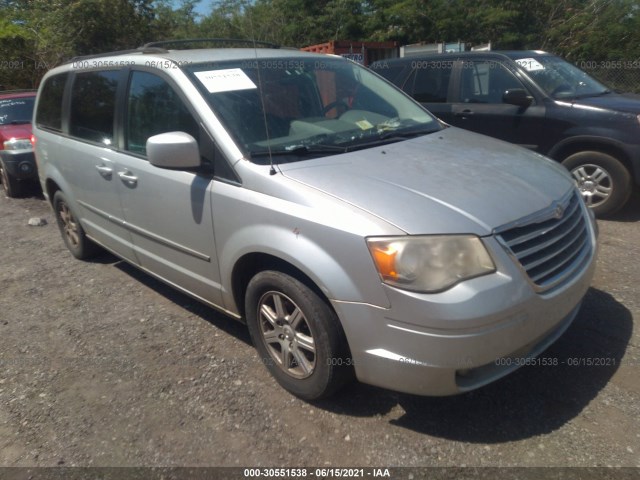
(429, 81)
(93, 106)
(153, 107)
(49, 114)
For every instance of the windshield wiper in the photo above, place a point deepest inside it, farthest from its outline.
(300, 150)
(591, 95)
(18, 122)
(406, 133)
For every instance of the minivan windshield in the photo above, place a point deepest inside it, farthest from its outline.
(294, 108)
(560, 79)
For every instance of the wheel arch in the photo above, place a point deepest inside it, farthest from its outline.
(568, 147)
(51, 187)
(250, 264)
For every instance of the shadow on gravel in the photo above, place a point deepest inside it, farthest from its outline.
(531, 401)
(631, 211)
(209, 314)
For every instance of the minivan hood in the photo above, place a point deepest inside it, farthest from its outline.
(452, 181)
(627, 102)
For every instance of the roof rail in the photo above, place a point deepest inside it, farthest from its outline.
(143, 49)
(248, 42)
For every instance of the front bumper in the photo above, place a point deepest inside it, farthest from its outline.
(462, 339)
(19, 164)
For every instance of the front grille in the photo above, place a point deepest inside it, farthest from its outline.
(553, 245)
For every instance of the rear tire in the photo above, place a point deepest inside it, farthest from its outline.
(604, 182)
(72, 232)
(297, 335)
(10, 185)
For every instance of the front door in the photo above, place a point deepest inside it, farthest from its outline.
(168, 212)
(478, 105)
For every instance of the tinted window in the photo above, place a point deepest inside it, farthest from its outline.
(93, 106)
(49, 113)
(153, 108)
(486, 82)
(429, 82)
(390, 72)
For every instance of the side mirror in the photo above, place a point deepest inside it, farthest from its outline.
(517, 96)
(173, 150)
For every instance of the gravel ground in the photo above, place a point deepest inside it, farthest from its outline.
(100, 365)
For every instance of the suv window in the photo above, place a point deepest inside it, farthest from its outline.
(429, 81)
(153, 107)
(93, 105)
(486, 81)
(49, 113)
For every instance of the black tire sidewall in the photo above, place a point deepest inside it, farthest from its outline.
(327, 376)
(620, 179)
(9, 184)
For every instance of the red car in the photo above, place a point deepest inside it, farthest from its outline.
(17, 162)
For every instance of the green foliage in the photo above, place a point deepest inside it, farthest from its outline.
(43, 33)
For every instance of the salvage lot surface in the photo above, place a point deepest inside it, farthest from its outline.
(100, 365)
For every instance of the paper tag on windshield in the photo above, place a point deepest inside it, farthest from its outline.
(364, 125)
(530, 64)
(227, 80)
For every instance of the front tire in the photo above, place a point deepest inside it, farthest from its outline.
(10, 185)
(604, 182)
(72, 232)
(297, 335)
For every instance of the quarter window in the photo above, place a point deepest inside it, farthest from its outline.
(49, 113)
(93, 105)
(486, 82)
(154, 108)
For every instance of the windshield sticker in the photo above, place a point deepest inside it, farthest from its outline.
(364, 125)
(530, 64)
(227, 80)
(11, 103)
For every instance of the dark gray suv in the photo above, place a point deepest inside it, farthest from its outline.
(538, 101)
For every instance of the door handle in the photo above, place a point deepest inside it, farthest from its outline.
(105, 171)
(464, 113)
(128, 178)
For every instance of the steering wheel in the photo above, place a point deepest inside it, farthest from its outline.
(337, 104)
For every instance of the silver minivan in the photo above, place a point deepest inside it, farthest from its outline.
(354, 233)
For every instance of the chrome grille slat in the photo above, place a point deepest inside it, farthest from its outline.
(542, 229)
(550, 270)
(551, 241)
(550, 248)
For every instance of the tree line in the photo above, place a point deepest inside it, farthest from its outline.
(36, 35)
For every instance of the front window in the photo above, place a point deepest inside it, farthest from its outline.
(153, 107)
(295, 108)
(486, 81)
(559, 79)
(16, 110)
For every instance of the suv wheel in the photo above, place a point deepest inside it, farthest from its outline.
(603, 181)
(72, 232)
(10, 185)
(297, 335)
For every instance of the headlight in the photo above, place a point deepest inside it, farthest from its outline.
(18, 144)
(429, 263)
